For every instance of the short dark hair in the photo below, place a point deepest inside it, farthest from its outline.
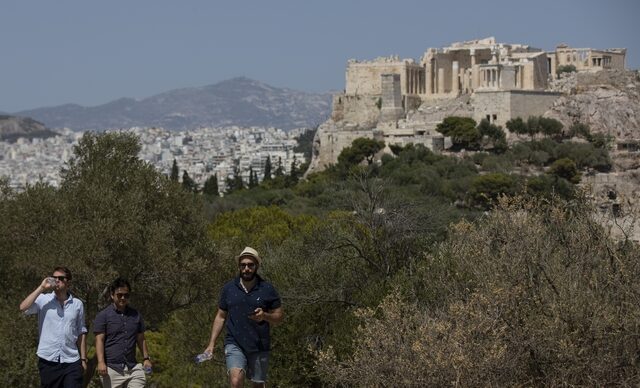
(66, 271)
(119, 282)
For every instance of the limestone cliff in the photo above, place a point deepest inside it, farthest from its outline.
(607, 101)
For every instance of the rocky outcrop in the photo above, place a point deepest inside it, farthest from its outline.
(607, 101)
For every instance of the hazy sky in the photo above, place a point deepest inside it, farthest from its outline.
(91, 52)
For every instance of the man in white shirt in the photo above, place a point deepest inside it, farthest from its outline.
(62, 348)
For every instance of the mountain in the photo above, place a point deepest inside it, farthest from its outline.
(13, 127)
(239, 101)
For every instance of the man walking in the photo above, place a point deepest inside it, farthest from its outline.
(249, 306)
(62, 347)
(118, 329)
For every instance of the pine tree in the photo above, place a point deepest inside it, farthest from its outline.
(174, 171)
(211, 185)
(279, 169)
(187, 183)
(294, 171)
(252, 181)
(267, 169)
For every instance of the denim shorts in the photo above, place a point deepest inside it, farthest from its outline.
(254, 365)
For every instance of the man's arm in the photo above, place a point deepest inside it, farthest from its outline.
(216, 329)
(274, 317)
(82, 348)
(142, 345)
(102, 366)
(28, 301)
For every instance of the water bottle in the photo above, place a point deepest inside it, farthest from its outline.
(202, 357)
(52, 282)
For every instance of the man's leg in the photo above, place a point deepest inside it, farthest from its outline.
(73, 375)
(51, 374)
(137, 378)
(114, 379)
(236, 365)
(257, 366)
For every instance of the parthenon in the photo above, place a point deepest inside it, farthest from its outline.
(482, 64)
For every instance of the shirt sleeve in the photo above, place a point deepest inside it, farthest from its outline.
(100, 323)
(35, 307)
(82, 327)
(222, 303)
(274, 299)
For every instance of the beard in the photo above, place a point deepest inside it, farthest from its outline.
(248, 276)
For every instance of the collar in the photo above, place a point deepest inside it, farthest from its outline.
(66, 301)
(113, 307)
(258, 281)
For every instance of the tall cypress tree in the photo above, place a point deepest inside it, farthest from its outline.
(279, 169)
(174, 171)
(267, 169)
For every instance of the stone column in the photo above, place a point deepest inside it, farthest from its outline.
(455, 72)
(474, 70)
(428, 75)
(440, 80)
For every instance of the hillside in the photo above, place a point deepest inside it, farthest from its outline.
(238, 101)
(13, 127)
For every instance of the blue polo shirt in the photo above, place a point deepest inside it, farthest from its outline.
(243, 332)
(121, 329)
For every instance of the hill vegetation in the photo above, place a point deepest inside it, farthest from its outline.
(411, 269)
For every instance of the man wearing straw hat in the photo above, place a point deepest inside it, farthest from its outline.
(248, 306)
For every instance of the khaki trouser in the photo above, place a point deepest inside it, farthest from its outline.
(130, 378)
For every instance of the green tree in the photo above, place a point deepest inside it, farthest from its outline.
(279, 168)
(565, 69)
(267, 169)
(360, 149)
(485, 189)
(113, 215)
(517, 125)
(462, 130)
(175, 171)
(235, 182)
(211, 186)
(550, 127)
(565, 168)
(253, 182)
(188, 184)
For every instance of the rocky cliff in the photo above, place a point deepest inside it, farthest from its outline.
(607, 101)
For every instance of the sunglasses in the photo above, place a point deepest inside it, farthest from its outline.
(61, 278)
(122, 295)
(248, 265)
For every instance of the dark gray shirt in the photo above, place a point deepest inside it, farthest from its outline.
(121, 329)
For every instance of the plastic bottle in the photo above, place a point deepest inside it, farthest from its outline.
(202, 357)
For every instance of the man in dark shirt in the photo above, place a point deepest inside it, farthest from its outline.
(118, 328)
(249, 306)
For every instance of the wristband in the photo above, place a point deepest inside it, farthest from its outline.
(147, 358)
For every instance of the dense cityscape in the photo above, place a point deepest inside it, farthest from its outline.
(201, 152)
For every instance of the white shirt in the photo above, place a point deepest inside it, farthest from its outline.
(58, 327)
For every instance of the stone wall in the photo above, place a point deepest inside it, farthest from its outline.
(501, 106)
(363, 78)
(358, 112)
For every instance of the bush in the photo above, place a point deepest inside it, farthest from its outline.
(536, 294)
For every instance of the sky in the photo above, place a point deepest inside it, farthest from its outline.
(92, 52)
